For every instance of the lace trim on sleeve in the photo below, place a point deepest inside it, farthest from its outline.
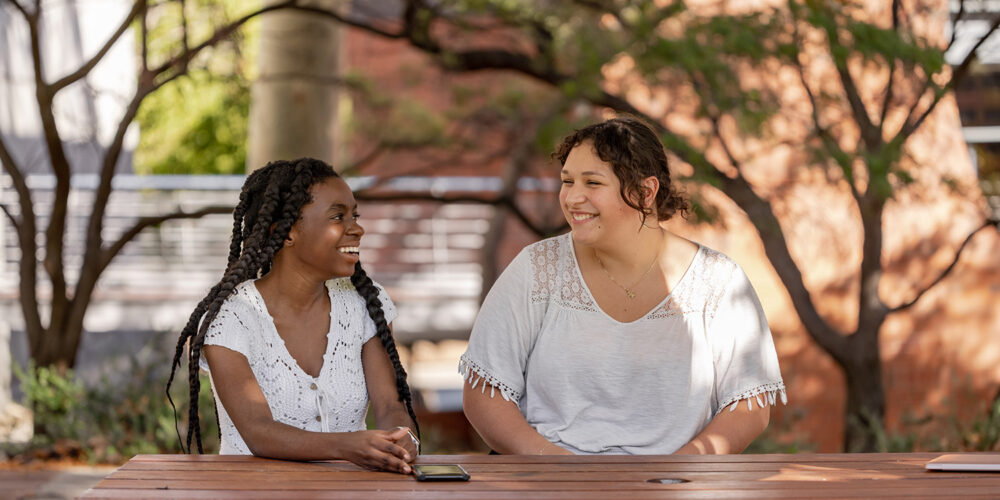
(765, 395)
(474, 373)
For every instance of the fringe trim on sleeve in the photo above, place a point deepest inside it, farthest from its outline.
(475, 374)
(765, 395)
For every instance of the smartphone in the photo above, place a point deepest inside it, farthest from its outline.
(426, 472)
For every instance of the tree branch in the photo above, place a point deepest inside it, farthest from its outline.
(149, 81)
(347, 21)
(910, 125)
(758, 210)
(20, 8)
(892, 71)
(109, 253)
(829, 142)
(954, 24)
(13, 221)
(82, 71)
(506, 201)
(144, 38)
(761, 215)
(869, 133)
(26, 242)
(958, 253)
(20, 184)
(55, 232)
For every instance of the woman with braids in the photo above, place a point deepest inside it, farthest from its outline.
(295, 335)
(620, 337)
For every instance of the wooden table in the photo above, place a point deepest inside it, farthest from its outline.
(877, 475)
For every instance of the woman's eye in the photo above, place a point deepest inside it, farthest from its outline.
(337, 217)
(567, 181)
(593, 183)
(356, 216)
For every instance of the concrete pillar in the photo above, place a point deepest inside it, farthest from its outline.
(293, 105)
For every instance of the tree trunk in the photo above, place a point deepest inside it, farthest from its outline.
(865, 410)
(57, 348)
(293, 106)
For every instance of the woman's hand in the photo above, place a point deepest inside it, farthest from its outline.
(408, 442)
(377, 450)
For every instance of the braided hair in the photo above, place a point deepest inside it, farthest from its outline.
(270, 203)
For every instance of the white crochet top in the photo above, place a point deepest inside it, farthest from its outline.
(336, 400)
(592, 384)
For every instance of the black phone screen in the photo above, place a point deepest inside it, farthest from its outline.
(425, 472)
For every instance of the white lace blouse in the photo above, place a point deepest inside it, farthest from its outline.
(592, 384)
(336, 400)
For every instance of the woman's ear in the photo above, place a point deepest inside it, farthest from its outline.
(292, 233)
(650, 186)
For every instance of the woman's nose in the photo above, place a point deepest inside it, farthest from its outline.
(573, 194)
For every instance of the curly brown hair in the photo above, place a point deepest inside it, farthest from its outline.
(635, 154)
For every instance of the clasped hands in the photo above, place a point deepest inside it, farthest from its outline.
(388, 450)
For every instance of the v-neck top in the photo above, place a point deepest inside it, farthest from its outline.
(334, 401)
(593, 384)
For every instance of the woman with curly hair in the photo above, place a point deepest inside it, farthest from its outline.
(620, 337)
(296, 337)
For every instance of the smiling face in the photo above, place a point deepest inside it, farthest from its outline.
(327, 236)
(591, 200)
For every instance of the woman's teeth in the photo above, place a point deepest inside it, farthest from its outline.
(583, 217)
(351, 250)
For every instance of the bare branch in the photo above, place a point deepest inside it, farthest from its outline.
(958, 253)
(82, 71)
(20, 184)
(17, 5)
(26, 242)
(13, 221)
(90, 268)
(109, 253)
(54, 244)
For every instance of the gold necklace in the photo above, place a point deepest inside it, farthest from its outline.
(628, 289)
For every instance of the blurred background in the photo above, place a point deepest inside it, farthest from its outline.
(846, 154)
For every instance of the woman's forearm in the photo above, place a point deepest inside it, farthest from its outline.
(282, 441)
(502, 427)
(729, 432)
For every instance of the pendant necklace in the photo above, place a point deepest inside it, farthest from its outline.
(628, 289)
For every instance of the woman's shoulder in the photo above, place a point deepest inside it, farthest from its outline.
(546, 252)
(244, 298)
(713, 275)
(715, 265)
(343, 289)
(339, 286)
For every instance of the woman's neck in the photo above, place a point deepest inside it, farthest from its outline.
(631, 255)
(290, 290)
